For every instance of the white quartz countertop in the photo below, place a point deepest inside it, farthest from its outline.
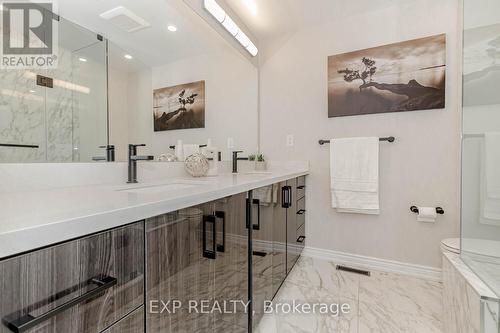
(34, 219)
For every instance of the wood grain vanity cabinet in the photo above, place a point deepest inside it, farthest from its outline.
(85, 285)
(132, 323)
(201, 253)
(198, 254)
(277, 238)
(264, 204)
(295, 219)
(127, 280)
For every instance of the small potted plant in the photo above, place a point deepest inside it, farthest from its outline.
(260, 163)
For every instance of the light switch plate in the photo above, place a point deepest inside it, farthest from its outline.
(230, 143)
(290, 140)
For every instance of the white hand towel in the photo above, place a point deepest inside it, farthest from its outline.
(264, 194)
(490, 180)
(354, 175)
(190, 150)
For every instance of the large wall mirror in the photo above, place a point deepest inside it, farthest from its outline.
(174, 79)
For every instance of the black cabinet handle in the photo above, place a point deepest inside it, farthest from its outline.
(248, 213)
(222, 216)
(301, 187)
(283, 197)
(301, 239)
(210, 254)
(257, 226)
(26, 322)
(286, 196)
(301, 212)
(289, 191)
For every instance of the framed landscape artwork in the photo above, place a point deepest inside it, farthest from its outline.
(179, 107)
(405, 76)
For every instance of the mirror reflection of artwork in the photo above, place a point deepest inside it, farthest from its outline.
(179, 107)
(481, 65)
(404, 76)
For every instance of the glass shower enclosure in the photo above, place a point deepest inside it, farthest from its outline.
(65, 121)
(480, 220)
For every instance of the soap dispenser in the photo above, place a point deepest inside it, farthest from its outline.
(212, 153)
(179, 151)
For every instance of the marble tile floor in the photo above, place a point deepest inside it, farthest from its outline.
(380, 303)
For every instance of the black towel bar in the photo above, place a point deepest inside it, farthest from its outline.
(389, 139)
(15, 145)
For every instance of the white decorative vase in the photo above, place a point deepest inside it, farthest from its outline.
(196, 165)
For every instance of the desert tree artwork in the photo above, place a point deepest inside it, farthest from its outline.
(179, 107)
(405, 76)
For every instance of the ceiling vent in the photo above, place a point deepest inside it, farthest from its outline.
(125, 19)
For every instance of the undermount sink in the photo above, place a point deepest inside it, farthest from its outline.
(161, 188)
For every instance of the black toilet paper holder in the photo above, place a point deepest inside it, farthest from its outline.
(439, 210)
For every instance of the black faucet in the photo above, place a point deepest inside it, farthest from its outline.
(236, 159)
(110, 154)
(132, 161)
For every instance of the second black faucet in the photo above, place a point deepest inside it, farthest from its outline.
(236, 159)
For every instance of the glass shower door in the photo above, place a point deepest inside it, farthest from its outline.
(480, 234)
(66, 120)
(77, 105)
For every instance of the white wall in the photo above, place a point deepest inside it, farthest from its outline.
(421, 167)
(231, 84)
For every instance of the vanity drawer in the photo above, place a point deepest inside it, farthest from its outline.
(85, 285)
(133, 323)
(301, 187)
(301, 213)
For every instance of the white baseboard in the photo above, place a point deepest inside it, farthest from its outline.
(371, 263)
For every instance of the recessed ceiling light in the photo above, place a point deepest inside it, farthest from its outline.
(128, 57)
(172, 28)
(32, 91)
(82, 59)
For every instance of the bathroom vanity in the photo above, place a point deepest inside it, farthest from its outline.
(239, 245)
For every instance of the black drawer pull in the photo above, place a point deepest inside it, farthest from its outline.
(222, 216)
(301, 187)
(248, 211)
(286, 196)
(257, 226)
(301, 239)
(301, 212)
(210, 254)
(27, 321)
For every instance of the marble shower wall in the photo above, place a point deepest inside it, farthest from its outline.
(22, 116)
(469, 305)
